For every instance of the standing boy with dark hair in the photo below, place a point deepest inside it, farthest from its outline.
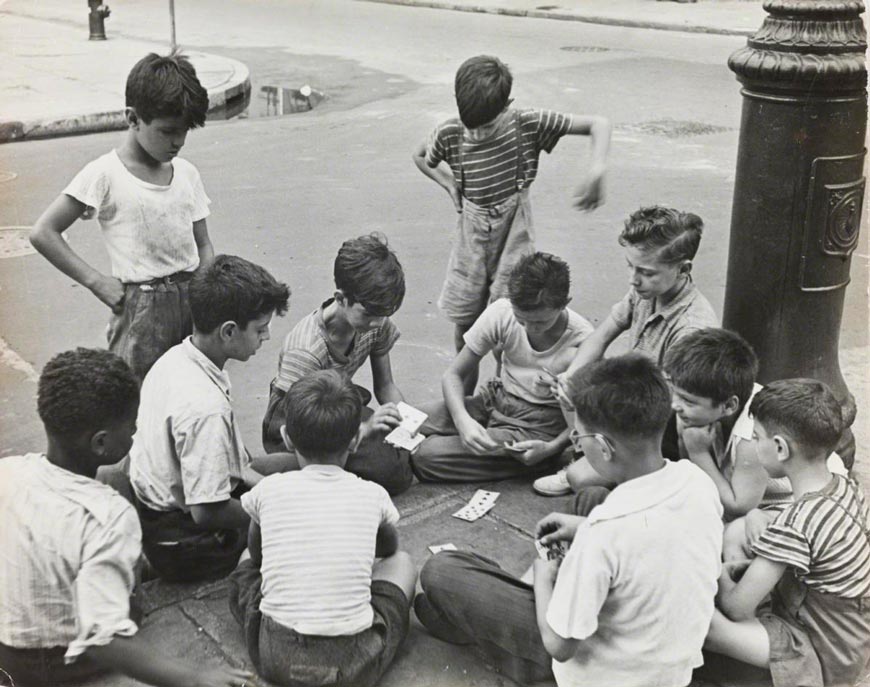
(188, 464)
(662, 306)
(69, 545)
(813, 559)
(152, 210)
(491, 153)
(351, 327)
(632, 601)
(513, 426)
(315, 605)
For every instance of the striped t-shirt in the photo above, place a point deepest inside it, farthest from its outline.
(824, 536)
(319, 526)
(491, 165)
(307, 349)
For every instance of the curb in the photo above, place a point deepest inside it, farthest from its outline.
(224, 101)
(568, 16)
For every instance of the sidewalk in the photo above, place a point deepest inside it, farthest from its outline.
(729, 17)
(56, 82)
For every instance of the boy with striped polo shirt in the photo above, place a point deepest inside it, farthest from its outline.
(813, 559)
(491, 152)
(315, 606)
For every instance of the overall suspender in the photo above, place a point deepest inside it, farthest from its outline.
(520, 174)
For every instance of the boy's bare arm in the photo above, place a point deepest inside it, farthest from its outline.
(133, 656)
(590, 194)
(203, 242)
(470, 431)
(255, 544)
(47, 238)
(441, 175)
(739, 599)
(227, 514)
(387, 542)
(385, 387)
(594, 346)
(557, 646)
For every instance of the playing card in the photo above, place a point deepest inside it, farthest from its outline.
(436, 548)
(405, 435)
(412, 418)
(553, 551)
(481, 503)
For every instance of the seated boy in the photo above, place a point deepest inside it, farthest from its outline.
(316, 607)
(661, 307)
(813, 559)
(188, 464)
(632, 601)
(514, 425)
(351, 327)
(69, 545)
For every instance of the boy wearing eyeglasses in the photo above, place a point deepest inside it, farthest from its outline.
(633, 598)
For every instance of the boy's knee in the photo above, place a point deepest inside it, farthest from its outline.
(438, 572)
(588, 498)
(399, 480)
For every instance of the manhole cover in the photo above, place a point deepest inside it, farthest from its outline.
(14, 242)
(670, 128)
(584, 48)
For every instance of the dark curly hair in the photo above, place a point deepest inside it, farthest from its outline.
(539, 280)
(85, 390)
(323, 413)
(676, 234)
(369, 273)
(166, 86)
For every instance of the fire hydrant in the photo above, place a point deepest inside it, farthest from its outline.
(97, 16)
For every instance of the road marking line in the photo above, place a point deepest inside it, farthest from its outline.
(11, 359)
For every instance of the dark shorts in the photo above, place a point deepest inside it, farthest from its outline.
(290, 658)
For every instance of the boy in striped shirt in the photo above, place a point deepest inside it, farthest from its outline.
(814, 558)
(316, 607)
(491, 154)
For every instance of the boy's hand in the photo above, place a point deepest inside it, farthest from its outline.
(697, 440)
(546, 571)
(590, 193)
(475, 437)
(731, 574)
(557, 527)
(110, 291)
(756, 522)
(223, 677)
(386, 418)
(534, 451)
(455, 195)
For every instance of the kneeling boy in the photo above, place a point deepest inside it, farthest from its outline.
(70, 545)
(813, 559)
(632, 601)
(315, 606)
(189, 465)
(514, 425)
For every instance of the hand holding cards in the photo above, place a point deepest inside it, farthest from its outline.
(405, 435)
(554, 551)
(481, 503)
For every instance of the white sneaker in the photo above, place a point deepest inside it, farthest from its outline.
(553, 485)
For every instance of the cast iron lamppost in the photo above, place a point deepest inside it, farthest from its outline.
(799, 186)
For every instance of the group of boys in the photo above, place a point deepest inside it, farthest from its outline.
(660, 445)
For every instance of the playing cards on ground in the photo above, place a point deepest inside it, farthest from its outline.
(405, 435)
(437, 548)
(481, 503)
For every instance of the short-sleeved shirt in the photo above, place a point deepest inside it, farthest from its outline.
(491, 164)
(319, 527)
(638, 583)
(147, 228)
(188, 447)
(68, 549)
(652, 329)
(498, 329)
(824, 537)
(307, 349)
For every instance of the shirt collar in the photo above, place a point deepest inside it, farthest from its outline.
(678, 303)
(744, 424)
(214, 373)
(642, 493)
(79, 489)
(322, 469)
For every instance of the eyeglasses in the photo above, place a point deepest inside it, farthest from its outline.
(575, 438)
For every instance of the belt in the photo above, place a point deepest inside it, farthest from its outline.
(176, 278)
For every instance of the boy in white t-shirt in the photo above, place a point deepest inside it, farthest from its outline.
(513, 426)
(316, 607)
(633, 598)
(152, 210)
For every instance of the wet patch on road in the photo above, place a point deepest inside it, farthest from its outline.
(280, 80)
(672, 128)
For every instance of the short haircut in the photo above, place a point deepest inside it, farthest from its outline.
(369, 273)
(323, 412)
(539, 280)
(231, 289)
(626, 395)
(804, 409)
(166, 86)
(84, 391)
(483, 88)
(713, 363)
(676, 235)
